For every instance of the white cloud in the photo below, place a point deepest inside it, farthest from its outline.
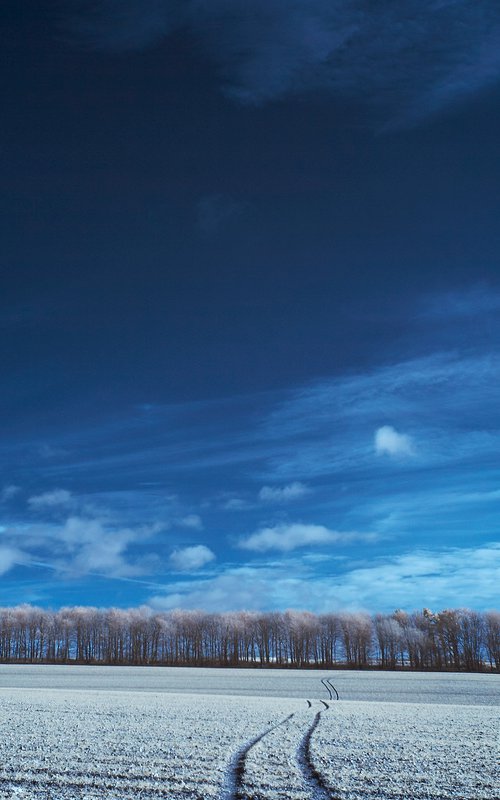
(452, 578)
(391, 443)
(54, 499)
(81, 545)
(193, 521)
(236, 504)
(8, 492)
(285, 538)
(283, 494)
(186, 559)
(92, 546)
(447, 578)
(9, 557)
(234, 589)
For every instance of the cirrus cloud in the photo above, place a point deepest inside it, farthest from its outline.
(282, 494)
(285, 538)
(9, 492)
(444, 578)
(264, 49)
(54, 499)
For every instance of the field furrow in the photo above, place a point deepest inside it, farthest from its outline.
(88, 741)
(100, 744)
(389, 751)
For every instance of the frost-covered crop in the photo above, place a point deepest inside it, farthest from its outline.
(84, 733)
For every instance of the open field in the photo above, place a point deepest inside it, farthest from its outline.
(119, 733)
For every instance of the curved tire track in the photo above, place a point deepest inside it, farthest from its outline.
(318, 787)
(313, 780)
(333, 689)
(330, 688)
(234, 780)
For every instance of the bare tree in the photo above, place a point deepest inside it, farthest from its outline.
(492, 638)
(451, 639)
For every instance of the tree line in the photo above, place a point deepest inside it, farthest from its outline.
(453, 639)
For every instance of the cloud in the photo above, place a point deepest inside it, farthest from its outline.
(391, 443)
(471, 303)
(54, 499)
(264, 49)
(453, 577)
(192, 521)
(93, 547)
(8, 492)
(82, 545)
(326, 428)
(283, 494)
(235, 588)
(285, 538)
(445, 578)
(236, 504)
(50, 453)
(186, 559)
(9, 557)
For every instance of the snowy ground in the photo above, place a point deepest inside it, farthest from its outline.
(372, 750)
(122, 733)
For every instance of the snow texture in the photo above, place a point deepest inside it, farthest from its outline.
(368, 751)
(83, 733)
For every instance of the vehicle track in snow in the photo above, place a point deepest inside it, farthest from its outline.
(312, 784)
(234, 781)
(318, 786)
(330, 688)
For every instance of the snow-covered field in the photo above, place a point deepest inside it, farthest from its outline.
(119, 733)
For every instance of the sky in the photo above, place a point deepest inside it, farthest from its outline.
(250, 304)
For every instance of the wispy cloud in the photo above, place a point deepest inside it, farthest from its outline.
(9, 492)
(438, 579)
(9, 558)
(81, 545)
(54, 499)
(422, 577)
(236, 504)
(283, 494)
(470, 303)
(327, 428)
(189, 559)
(389, 442)
(90, 547)
(245, 455)
(265, 49)
(192, 521)
(322, 431)
(287, 537)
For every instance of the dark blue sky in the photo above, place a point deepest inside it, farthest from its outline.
(249, 309)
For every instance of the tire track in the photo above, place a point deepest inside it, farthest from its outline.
(233, 789)
(330, 688)
(333, 688)
(314, 780)
(314, 783)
